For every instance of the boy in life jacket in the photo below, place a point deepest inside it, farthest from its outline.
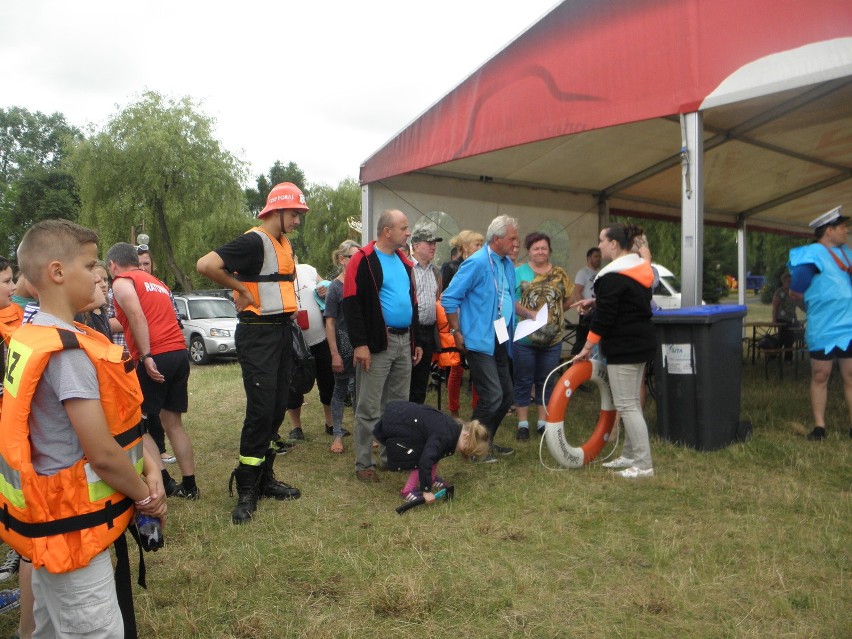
(70, 442)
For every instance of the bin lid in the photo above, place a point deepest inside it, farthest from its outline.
(705, 314)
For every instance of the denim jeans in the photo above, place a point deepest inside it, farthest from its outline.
(532, 366)
(625, 380)
(490, 374)
(343, 382)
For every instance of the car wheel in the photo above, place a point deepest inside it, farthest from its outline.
(197, 351)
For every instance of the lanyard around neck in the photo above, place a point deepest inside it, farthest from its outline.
(843, 267)
(503, 282)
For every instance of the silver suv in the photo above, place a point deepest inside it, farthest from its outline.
(209, 323)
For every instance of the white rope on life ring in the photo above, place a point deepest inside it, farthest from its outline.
(565, 454)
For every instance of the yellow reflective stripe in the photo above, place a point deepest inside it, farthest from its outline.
(98, 488)
(17, 358)
(251, 461)
(10, 482)
(13, 494)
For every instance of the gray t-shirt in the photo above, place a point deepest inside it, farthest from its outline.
(334, 306)
(69, 374)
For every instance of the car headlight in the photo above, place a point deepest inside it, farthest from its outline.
(219, 332)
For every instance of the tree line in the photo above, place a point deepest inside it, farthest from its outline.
(156, 166)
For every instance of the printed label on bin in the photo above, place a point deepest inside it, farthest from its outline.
(677, 359)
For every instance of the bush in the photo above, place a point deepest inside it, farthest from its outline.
(715, 286)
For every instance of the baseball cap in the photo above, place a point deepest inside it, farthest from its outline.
(425, 234)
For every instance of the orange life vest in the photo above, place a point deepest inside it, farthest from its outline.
(62, 521)
(273, 286)
(10, 319)
(449, 354)
(11, 316)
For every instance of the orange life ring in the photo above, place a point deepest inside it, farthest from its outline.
(564, 453)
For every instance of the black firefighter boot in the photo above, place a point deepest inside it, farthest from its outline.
(271, 487)
(247, 479)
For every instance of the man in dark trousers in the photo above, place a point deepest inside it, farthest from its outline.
(427, 281)
(480, 305)
(260, 268)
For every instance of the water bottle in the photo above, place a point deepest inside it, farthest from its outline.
(150, 532)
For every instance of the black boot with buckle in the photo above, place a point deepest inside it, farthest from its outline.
(247, 479)
(271, 487)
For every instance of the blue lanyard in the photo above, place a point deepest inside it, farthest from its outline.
(498, 290)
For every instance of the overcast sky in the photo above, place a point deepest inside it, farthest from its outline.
(323, 83)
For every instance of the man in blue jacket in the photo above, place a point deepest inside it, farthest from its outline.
(480, 306)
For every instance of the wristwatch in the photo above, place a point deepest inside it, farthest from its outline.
(453, 331)
(145, 356)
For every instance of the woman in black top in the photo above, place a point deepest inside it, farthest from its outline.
(417, 437)
(622, 327)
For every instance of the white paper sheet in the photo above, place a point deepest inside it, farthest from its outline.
(529, 326)
(677, 358)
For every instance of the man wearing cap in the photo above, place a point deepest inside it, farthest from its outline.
(260, 268)
(427, 280)
(381, 311)
(822, 273)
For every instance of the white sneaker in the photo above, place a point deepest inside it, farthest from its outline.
(636, 473)
(621, 462)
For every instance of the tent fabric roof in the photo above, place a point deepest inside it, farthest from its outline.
(588, 100)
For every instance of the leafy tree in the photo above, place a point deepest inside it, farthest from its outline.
(157, 163)
(256, 198)
(32, 184)
(326, 226)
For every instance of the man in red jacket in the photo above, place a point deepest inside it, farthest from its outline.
(381, 316)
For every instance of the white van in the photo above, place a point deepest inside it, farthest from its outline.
(667, 292)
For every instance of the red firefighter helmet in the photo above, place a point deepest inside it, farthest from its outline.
(284, 196)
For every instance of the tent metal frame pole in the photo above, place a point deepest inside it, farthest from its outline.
(692, 208)
(742, 238)
(603, 212)
(367, 214)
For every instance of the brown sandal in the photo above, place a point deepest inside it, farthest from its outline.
(336, 446)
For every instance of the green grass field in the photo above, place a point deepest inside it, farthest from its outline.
(749, 541)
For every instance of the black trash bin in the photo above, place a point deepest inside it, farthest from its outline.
(698, 373)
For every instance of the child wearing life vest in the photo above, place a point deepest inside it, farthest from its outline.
(10, 318)
(417, 437)
(70, 441)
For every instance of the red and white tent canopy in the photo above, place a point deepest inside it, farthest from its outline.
(586, 103)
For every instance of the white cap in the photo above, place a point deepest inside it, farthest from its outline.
(832, 217)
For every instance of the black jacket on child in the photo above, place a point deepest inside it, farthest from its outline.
(416, 436)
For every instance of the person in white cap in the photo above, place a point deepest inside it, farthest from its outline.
(822, 274)
(427, 279)
(260, 268)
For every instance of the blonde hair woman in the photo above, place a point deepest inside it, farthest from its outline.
(417, 437)
(338, 342)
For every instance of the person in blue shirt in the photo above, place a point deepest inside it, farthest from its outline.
(822, 273)
(480, 306)
(380, 306)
